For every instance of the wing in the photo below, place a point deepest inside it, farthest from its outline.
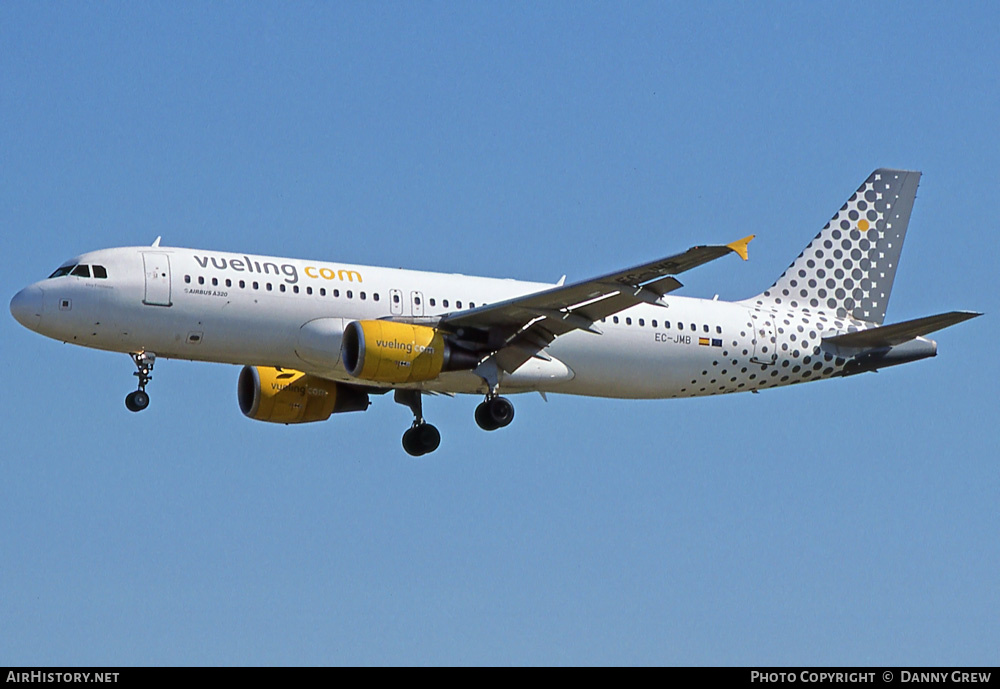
(520, 328)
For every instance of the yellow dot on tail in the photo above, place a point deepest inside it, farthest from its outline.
(863, 225)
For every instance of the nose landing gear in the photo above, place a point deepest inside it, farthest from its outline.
(139, 400)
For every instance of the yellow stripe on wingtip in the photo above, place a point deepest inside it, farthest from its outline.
(740, 246)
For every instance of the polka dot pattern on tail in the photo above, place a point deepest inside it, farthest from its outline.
(848, 269)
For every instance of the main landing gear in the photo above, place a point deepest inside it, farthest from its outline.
(139, 400)
(495, 412)
(421, 438)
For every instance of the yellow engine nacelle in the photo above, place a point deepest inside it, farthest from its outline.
(283, 395)
(390, 352)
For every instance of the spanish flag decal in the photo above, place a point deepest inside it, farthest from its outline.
(703, 341)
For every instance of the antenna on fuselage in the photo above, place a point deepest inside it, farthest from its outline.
(156, 242)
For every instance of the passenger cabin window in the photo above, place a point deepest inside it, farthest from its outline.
(81, 271)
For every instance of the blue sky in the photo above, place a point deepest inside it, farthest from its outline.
(851, 522)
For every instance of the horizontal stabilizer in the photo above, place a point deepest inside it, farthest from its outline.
(898, 333)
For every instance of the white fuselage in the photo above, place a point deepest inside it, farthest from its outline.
(257, 310)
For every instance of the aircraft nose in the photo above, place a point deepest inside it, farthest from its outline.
(26, 307)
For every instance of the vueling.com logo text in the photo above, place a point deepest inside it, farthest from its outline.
(245, 264)
(408, 347)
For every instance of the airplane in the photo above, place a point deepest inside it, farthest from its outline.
(317, 338)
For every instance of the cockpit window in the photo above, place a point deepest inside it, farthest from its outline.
(80, 270)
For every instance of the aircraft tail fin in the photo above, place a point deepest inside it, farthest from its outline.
(848, 269)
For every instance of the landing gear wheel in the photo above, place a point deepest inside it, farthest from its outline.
(421, 439)
(494, 413)
(483, 417)
(137, 401)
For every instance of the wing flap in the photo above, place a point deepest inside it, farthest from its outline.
(519, 328)
(640, 284)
